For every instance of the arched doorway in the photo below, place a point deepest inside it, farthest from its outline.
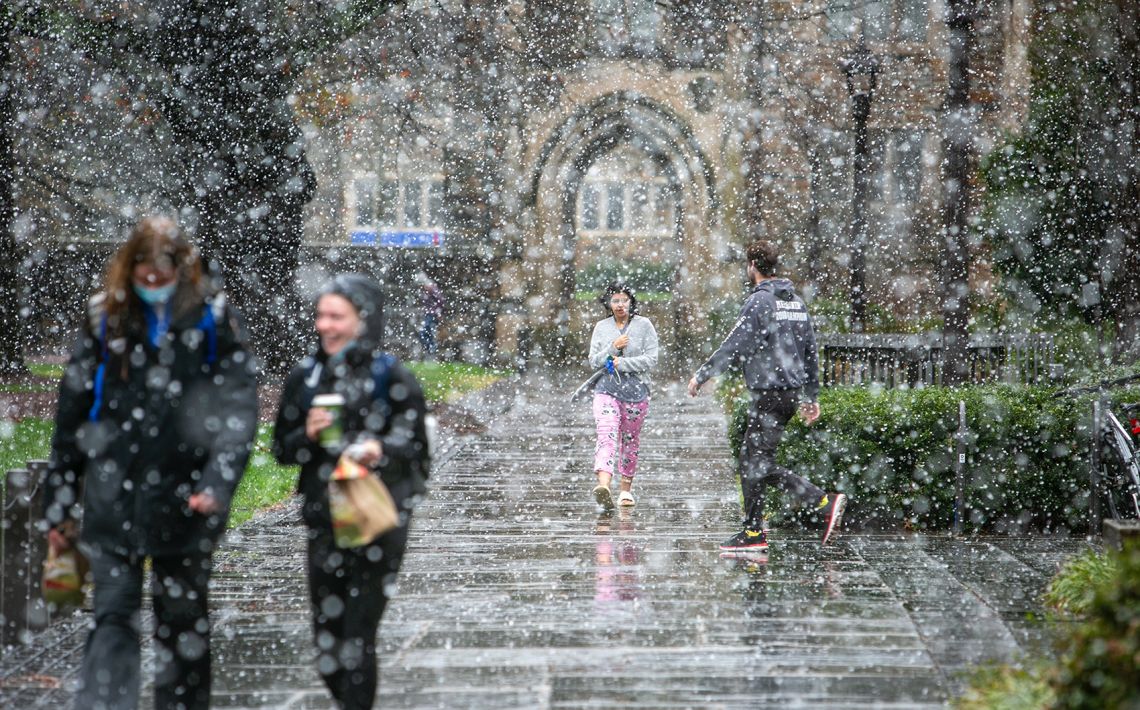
(626, 228)
(622, 149)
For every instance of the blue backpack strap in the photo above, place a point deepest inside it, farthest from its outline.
(382, 366)
(209, 327)
(100, 372)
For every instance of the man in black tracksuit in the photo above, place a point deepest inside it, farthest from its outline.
(774, 344)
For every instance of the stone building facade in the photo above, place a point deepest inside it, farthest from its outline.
(578, 140)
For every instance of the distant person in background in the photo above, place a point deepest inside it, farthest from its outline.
(156, 418)
(626, 345)
(431, 298)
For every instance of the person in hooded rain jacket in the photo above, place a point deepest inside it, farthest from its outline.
(384, 414)
(773, 342)
(156, 417)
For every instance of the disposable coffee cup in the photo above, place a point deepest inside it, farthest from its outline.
(332, 435)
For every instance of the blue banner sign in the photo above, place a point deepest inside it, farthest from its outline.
(409, 239)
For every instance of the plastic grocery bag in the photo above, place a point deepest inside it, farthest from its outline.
(361, 506)
(63, 577)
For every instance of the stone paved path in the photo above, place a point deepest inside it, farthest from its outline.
(517, 593)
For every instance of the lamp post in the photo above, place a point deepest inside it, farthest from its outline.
(861, 69)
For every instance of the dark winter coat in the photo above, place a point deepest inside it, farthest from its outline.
(396, 419)
(170, 424)
(773, 342)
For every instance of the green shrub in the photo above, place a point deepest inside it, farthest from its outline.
(1004, 687)
(649, 276)
(1100, 660)
(1071, 591)
(892, 452)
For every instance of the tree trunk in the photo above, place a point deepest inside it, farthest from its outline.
(1125, 296)
(12, 326)
(246, 178)
(957, 168)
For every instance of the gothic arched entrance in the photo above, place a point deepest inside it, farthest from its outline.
(620, 149)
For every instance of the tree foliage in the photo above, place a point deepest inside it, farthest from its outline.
(1061, 213)
(218, 76)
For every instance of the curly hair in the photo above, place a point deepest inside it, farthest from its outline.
(153, 239)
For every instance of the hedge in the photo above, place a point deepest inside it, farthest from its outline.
(892, 452)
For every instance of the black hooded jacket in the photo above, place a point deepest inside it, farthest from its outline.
(169, 424)
(773, 342)
(397, 417)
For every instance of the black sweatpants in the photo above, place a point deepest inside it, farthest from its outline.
(768, 414)
(109, 677)
(348, 591)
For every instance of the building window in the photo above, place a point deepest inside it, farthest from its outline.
(364, 199)
(896, 183)
(615, 206)
(393, 204)
(627, 27)
(435, 202)
(588, 207)
(914, 17)
(880, 20)
(387, 200)
(639, 207)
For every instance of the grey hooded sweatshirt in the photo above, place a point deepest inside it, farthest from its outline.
(772, 341)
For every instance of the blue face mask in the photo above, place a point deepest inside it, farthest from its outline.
(156, 296)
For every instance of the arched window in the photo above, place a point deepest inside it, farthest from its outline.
(626, 225)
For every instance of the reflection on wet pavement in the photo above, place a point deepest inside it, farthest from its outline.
(518, 591)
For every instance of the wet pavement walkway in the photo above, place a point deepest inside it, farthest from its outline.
(518, 593)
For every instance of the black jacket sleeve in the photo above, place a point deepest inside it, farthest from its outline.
(76, 397)
(405, 439)
(231, 391)
(740, 343)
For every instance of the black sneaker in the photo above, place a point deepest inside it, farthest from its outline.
(745, 540)
(833, 514)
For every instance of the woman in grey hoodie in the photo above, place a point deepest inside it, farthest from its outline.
(625, 344)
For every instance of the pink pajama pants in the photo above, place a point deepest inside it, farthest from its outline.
(619, 434)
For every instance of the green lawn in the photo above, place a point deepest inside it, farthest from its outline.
(23, 441)
(642, 296)
(40, 369)
(265, 482)
(446, 381)
(44, 378)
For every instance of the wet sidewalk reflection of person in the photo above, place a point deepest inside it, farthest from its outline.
(626, 345)
(156, 417)
(383, 412)
(616, 561)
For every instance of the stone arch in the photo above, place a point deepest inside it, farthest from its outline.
(589, 132)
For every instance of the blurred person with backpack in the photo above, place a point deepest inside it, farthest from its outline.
(156, 418)
(379, 419)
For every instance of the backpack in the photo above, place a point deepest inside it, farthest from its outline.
(212, 311)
